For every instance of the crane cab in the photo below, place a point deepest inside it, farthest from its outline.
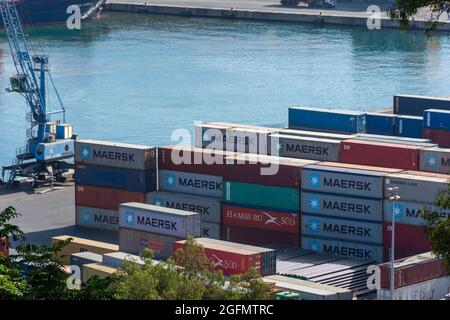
(18, 83)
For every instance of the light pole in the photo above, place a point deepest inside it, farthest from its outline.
(393, 196)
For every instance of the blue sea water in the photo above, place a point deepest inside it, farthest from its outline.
(136, 78)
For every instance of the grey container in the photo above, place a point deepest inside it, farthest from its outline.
(94, 218)
(210, 230)
(211, 136)
(341, 206)
(161, 220)
(416, 188)
(208, 207)
(115, 154)
(398, 141)
(135, 241)
(304, 147)
(116, 259)
(81, 258)
(345, 181)
(342, 229)
(192, 183)
(345, 249)
(435, 160)
(248, 140)
(317, 134)
(409, 212)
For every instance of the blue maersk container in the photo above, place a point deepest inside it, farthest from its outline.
(436, 119)
(409, 126)
(380, 123)
(330, 120)
(116, 178)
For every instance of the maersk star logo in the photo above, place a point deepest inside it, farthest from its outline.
(313, 225)
(314, 180)
(279, 146)
(86, 217)
(129, 217)
(313, 245)
(170, 180)
(398, 211)
(314, 203)
(85, 152)
(433, 162)
(157, 202)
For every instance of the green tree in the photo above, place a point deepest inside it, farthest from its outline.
(404, 10)
(12, 284)
(7, 230)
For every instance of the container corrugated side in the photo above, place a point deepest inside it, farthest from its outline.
(409, 240)
(192, 183)
(410, 212)
(210, 230)
(115, 154)
(440, 137)
(262, 196)
(342, 229)
(409, 126)
(116, 259)
(437, 119)
(316, 134)
(161, 220)
(435, 160)
(304, 147)
(95, 218)
(211, 136)
(415, 105)
(208, 207)
(248, 140)
(97, 269)
(380, 123)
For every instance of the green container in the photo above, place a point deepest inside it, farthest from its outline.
(286, 295)
(258, 195)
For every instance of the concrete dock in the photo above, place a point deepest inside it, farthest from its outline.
(346, 13)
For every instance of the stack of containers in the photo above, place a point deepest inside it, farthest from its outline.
(234, 258)
(191, 179)
(417, 190)
(329, 120)
(107, 174)
(146, 226)
(261, 199)
(408, 126)
(437, 127)
(435, 160)
(342, 210)
(380, 123)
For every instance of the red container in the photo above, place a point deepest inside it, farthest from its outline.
(261, 219)
(409, 240)
(4, 247)
(440, 137)
(105, 198)
(258, 237)
(262, 169)
(231, 261)
(191, 159)
(380, 154)
(410, 273)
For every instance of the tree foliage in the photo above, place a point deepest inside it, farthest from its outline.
(404, 10)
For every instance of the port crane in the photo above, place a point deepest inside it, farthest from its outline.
(49, 147)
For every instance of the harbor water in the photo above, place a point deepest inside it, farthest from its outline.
(135, 78)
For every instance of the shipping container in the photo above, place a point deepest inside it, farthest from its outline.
(208, 207)
(64, 131)
(415, 105)
(380, 123)
(191, 159)
(211, 136)
(409, 240)
(399, 140)
(412, 270)
(268, 170)
(261, 219)
(105, 198)
(81, 245)
(192, 183)
(116, 178)
(116, 259)
(97, 269)
(4, 248)
(434, 289)
(161, 220)
(380, 154)
(409, 126)
(345, 249)
(342, 229)
(343, 181)
(308, 290)
(258, 237)
(248, 140)
(440, 137)
(410, 212)
(304, 147)
(95, 218)
(359, 167)
(417, 186)
(240, 125)
(435, 160)
(413, 141)
(316, 134)
(115, 154)
(262, 196)
(81, 258)
(437, 119)
(330, 120)
(341, 206)
(135, 241)
(210, 230)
